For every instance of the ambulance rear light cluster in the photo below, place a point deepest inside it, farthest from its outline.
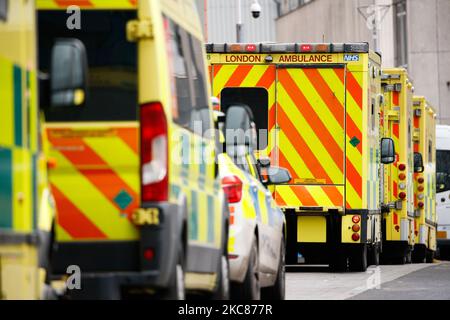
(232, 186)
(420, 196)
(154, 165)
(360, 47)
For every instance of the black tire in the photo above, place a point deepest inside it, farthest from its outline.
(278, 290)
(223, 278)
(430, 256)
(409, 257)
(400, 260)
(374, 255)
(250, 289)
(177, 290)
(419, 254)
(358, 259)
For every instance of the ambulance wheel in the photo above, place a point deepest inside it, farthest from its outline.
(358, 259)
(223, 289)
(430, 256)
(250, 289)
(278, 290)
(400, 259)
(419, 254)
(374, 256)
(409, 257)
(176, 290)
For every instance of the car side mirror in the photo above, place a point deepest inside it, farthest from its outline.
(278, 175)
(68, 82)
(264, 162)
(418, 162)
(387, 151)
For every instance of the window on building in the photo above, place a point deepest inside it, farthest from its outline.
(3, 10)
(401, 33)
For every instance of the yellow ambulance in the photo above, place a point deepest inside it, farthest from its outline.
(26, 204)
(317, 110)
(425, 219)
(398, 189)
(141, 209)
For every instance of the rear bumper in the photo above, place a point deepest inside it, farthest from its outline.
(107, 267)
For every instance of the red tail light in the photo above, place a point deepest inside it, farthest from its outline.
(401, 167)
(421, 205)
(356, 219)
(149, 254)
(154, 165)
(355, 237)
(402, 195)
(420, 180)
(232, 186)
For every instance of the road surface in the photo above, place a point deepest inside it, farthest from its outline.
(411, 281)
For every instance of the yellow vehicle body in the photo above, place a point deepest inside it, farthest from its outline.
(110, 222)
(424, 139)
(26, 212)
(321, 113)
(397, 124)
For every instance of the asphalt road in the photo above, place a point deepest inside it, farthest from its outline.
(431, 283)
(412, 281)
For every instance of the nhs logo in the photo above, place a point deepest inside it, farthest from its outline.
(351, 58)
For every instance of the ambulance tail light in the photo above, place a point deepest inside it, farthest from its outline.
(232, 187)
(154, 164)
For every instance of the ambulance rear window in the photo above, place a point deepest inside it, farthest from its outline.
(112, 83)
(258, 101)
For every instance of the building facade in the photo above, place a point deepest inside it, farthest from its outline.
(410, 33)
(222, 17)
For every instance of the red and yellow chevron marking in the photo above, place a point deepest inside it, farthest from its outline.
(96, 181)
(310, 196)
(87, 4)
(312, 145)
(313, 109)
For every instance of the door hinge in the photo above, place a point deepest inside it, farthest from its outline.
(139, 29)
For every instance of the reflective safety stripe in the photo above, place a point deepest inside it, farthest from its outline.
(110, 184)
(87, 4)
(318, 111)
(6, 185)
(310, 196)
